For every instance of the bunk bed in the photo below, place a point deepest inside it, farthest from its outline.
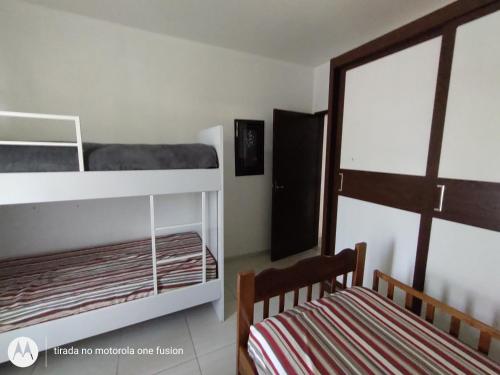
(60, 297)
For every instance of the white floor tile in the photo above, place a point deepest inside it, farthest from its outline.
(186, 368)
(165, 332)
(228, 294)
(207, 331)
(230, 283)
(230, 291)
(250, 262)
(219, 362)
(229, 308)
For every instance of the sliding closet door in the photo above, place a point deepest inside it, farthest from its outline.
(388, 107)
(464, 252)
(385, 133)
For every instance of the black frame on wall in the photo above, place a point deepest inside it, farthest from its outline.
(249, 147)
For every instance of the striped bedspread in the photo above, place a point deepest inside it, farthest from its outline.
(36, 289)
(357, 331)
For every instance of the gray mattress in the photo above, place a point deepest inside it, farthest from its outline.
(107, 157)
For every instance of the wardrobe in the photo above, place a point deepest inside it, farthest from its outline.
(414, 156)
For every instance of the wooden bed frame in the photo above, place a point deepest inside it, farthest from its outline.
(325, 270)
(277, 282)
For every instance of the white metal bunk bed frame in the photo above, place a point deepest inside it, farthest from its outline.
(23, 188)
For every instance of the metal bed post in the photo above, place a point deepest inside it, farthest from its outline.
(153, 240)
(79, 146)
(203, 236)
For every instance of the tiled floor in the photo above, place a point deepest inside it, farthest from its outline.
(208, 345)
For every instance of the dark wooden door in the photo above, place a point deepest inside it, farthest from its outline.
(297, 151)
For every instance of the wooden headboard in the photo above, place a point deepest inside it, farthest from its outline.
(277, 282)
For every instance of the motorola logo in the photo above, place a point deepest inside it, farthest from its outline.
(23, 351)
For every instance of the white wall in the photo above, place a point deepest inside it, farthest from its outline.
(321, 87)
(130, 85)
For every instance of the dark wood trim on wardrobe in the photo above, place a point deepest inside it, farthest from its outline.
(430, 23)
(433, 157)
(475, 203)
(332, 159)
(320, 118)
(394, 190)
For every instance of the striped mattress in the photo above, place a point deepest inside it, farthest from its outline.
(358, 331)
(40, 288)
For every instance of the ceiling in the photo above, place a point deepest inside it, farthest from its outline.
(307, 32)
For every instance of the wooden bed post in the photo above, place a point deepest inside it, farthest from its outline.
(357, 277)
(244, 317)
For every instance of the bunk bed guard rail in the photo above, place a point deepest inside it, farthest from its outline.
(40, 116)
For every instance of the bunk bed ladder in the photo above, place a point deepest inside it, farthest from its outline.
(155, 229)
(153, 241)
(203, 237)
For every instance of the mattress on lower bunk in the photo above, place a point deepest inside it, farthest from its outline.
(41, 288)
(107, 157)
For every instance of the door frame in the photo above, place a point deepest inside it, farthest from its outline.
(442, 22)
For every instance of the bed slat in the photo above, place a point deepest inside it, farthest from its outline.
(454, 326)
(429, 313)
(265, 313)
(390, 291)
(484, 342)
(321, 289)
(408, 301)
(295, 297)
(487, 333)
(344, 281)
(282, 303)
(375, 281)
(309, 293)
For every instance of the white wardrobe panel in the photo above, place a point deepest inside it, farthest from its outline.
(388, 111)
(462, 270)
(390, 234)
(471, 141)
